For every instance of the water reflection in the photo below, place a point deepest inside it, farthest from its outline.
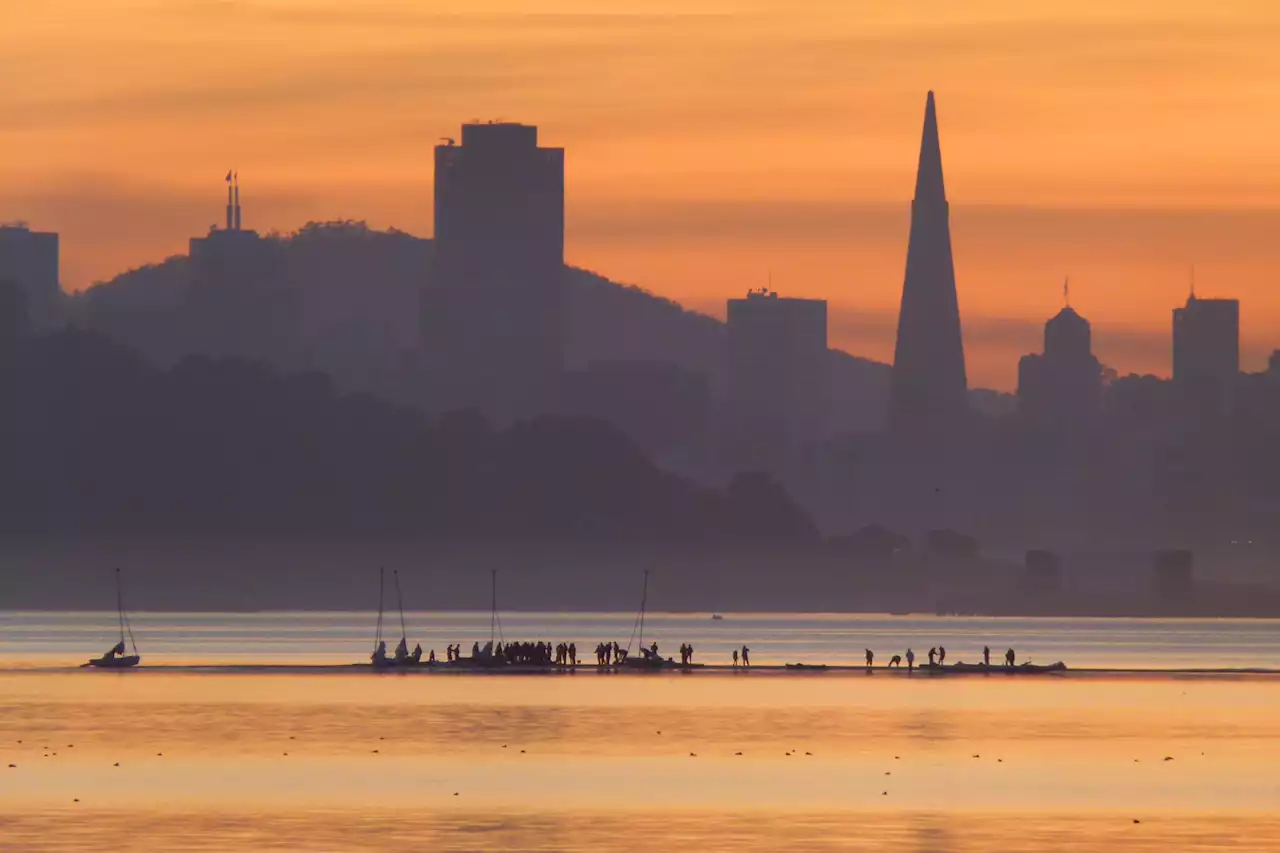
(177, 762)
(467, 829)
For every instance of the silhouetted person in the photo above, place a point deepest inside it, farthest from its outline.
(871, 658)
(911, 660)
(896, 660)
(417, 653)
(1009, 658)
(986, 656)
(746, 656)
(380, 652)
(691, 653)
(735, 658)
(475, 650)
(933, 653)
(573, 653)
(431, 657)
(617, 652)
(942, 655)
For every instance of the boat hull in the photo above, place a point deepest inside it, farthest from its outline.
(120, 662)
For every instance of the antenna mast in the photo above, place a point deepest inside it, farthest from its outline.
(230, 206)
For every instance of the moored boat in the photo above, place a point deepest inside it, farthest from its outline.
(981, 668)
(115, 657)
(401, 658)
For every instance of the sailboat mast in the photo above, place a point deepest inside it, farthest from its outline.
(493, 605)
(120, 604)
(400, 602)
(382, 577)
(644, 601)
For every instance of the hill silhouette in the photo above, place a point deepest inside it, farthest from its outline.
(357, 296)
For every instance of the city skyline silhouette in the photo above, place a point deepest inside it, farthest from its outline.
(1123, 188)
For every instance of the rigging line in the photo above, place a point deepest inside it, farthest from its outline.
(125, 625)
(119, 604)
(382, 576)
(400, 601)
(638, 626)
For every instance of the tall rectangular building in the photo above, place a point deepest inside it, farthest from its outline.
(494, 307)
(1206, 340)
(777, 377)
(30, 260)
(1206, 354)
(240, 302)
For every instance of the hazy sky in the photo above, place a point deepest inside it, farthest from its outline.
(710, 144)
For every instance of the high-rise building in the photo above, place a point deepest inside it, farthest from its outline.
(777, 377)
(1206, 341)
(494, 307)
(30, 259)
(239, 302)
(928, 391)
(1062, 387)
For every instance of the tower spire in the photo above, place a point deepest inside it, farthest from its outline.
(1066, 291)
(237, 183)
(929, 183)
(928, 389)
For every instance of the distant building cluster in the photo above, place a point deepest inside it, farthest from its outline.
(494, 321)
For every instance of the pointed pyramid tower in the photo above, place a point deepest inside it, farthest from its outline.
(928, 391)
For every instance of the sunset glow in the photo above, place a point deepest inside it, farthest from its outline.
(712, 145)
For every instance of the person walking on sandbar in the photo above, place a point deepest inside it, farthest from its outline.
(911, 660)
(986, 656)
(933, 653)
(735, 658)
(871, 658)
(942, 654)
(1009, 658)
(746, 657)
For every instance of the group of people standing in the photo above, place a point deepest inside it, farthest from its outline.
(937, 657)
(611, 654)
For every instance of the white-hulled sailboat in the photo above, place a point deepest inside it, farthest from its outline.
(115, 657)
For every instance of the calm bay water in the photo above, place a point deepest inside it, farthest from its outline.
(352, 761)
(319, 638)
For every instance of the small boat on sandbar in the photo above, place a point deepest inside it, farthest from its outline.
(808, 666)
(402, 658)
(115, 657)
(490, 655)
(982, 668)
(648, 659)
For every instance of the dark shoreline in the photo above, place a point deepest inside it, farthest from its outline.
(672, 670)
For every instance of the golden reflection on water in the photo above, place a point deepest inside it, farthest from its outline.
(162, 761)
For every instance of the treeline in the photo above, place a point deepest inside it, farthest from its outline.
(96, 439)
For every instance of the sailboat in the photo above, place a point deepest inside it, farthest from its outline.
(484, 655)
(648, 657)
(115, 657)
(401, 657)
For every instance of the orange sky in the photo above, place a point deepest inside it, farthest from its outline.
(711, 143)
